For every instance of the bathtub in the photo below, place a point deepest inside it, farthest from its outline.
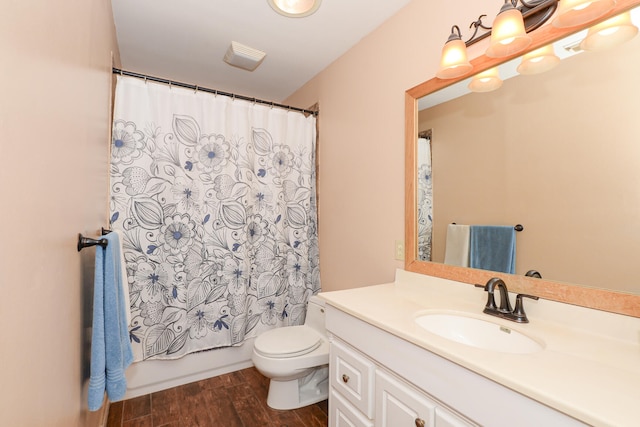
(154, 375)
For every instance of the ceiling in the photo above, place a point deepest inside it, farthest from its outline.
(186, 40)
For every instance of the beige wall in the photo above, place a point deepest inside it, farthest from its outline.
(361, 96)
(54, 128)
(557, 152)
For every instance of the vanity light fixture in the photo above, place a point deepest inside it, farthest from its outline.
(454, 62)
(610, 33)
(486, 81)
(572, 13)
(508, 35)
(295, 8)
(539, 61)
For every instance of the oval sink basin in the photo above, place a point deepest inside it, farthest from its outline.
(478, 333)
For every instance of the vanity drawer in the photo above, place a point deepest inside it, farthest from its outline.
(353, 376)
(343, 414)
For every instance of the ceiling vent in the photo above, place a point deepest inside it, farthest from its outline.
(244, 57)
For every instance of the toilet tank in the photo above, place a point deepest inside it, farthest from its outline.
(315, 315)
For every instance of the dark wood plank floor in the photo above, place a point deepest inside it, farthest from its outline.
(238, 399)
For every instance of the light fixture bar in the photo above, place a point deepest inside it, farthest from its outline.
(511, 27)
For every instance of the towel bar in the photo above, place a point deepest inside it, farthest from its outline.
(517, 227)
(85, 242)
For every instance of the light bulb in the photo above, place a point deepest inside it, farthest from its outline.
(295, 8)
(572, 13)
(508, 35)
(610, 33)
(454, 62)
(538, 61)
(486, 81)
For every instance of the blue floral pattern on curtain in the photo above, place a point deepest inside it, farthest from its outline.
(425, 198)
(215, 200)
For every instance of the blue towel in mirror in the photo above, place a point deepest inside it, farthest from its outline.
(493, 247)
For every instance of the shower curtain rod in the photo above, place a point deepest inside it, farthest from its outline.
(215, 92)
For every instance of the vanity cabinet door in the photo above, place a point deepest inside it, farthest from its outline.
(342, 414)
(400, 405)
(351, 374)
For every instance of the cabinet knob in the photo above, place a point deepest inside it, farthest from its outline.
(345, 378)
(420, 422)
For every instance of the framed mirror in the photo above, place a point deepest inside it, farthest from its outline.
(568, 283)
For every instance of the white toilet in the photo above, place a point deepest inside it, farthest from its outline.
(296, 360)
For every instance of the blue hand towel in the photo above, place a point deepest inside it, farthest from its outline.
(111, 351)
(493, 247)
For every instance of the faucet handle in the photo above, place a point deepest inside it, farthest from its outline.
(518, 312)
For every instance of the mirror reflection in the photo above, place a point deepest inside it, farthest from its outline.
(558, 152)
(425, 196)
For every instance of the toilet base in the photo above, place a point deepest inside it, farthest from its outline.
(296, 393)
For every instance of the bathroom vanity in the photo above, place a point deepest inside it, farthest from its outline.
(569, 366)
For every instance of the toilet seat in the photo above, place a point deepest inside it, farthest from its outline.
(291, 341)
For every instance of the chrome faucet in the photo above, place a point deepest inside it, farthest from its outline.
(504, 310)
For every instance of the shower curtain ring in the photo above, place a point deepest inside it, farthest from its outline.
(196, 91)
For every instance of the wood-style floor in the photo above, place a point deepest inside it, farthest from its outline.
(238, 399)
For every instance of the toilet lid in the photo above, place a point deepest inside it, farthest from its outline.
(290, 341)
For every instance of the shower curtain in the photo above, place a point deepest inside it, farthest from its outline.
(425, 198)
(215, 200)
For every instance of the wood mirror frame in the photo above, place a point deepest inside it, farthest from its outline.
(600, 299)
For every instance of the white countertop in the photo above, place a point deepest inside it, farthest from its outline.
(589, 368)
